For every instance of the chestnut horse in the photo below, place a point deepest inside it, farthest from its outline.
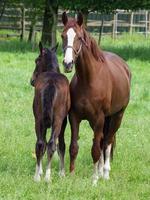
(50, 107)
(100, 91)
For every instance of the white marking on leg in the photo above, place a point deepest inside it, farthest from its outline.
(37, 176)
(41, 169)
(68, 54)
(95, 174)
(62, 169)
(107, 162)
(48, 172)
(101, 165)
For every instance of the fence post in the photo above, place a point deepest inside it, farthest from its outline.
(131, 23)
(146, 24)
(114, 26)
(148, 21)
(101, 29)
(22, 23)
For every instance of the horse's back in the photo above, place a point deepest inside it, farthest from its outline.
(115, 62)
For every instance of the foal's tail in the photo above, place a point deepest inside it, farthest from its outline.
(48, 95)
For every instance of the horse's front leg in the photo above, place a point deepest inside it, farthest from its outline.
(96, 150)
(74, 123)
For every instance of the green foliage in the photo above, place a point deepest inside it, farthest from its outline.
(130, 168)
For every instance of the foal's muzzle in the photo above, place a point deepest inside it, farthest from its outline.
(68, 67)
(32, 82)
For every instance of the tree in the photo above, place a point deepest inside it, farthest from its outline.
(50, 22)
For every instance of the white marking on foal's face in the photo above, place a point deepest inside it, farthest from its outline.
(69, 51)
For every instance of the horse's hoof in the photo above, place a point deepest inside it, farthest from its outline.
(62, 173)
(37, 178)
(47, 179)
(72, 173)
(106, 175)
(95, 180)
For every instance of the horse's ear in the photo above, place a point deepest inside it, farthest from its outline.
(64, 18)
(55, 47)
(40, 47)
(79, 19)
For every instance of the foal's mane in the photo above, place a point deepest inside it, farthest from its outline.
(91, 43)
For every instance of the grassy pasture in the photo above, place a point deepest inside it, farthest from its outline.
(130, 175)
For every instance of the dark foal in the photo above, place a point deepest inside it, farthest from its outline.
(100, 91)
(50, 107)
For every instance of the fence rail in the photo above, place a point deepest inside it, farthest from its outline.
(19, 19)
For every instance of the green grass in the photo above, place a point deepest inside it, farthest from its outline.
(130, 174)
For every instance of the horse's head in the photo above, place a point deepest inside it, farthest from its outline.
(46, 61)
(72, 38)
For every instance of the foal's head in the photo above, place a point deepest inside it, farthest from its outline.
(46, 61)
(72, 38)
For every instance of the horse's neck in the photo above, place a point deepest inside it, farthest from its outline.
(53, 69)
(85, 66)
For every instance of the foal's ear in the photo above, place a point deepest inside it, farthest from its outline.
(55, 47)
(79, 19)
(40, 47)
(64, 18)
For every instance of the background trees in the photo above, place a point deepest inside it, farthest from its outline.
(48, 11)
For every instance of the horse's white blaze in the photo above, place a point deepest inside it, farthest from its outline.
(107, 162)
(69, 51)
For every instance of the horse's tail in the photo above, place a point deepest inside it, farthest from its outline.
(48, 96)
(113, 146)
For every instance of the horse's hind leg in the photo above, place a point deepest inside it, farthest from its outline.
(61, 148)
(51, 147)
(40, 148)
(109, 140)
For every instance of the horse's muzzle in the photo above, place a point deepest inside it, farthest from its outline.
(68, 67)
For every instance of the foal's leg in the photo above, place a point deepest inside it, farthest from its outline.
(40, 148)
(73, 150)
(114, 124)
(51, 146)
(61, 147)
(96, 148)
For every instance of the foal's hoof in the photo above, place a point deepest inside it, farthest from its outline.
(72, 173)
(95, 179)
(62, 173)
(37, 178)
(47, 179)
(106, 175)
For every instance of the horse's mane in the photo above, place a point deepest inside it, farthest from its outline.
(91, 43)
